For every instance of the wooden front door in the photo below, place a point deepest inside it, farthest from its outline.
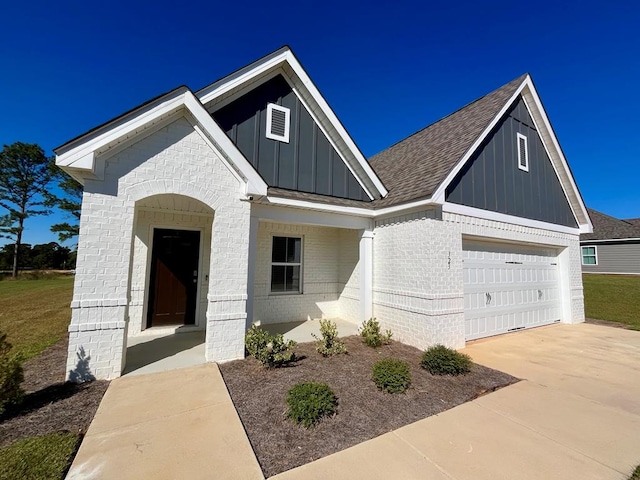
(174, 277)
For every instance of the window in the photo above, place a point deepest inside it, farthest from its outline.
(286, 265)
(589, 256)
(523, 152)
(278, 122)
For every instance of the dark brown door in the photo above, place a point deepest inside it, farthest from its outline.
(174, 277)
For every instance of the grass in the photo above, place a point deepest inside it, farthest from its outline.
(613, 297)
(636, 474)
(43, 458)
(35, 313)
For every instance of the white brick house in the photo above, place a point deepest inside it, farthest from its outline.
(248, 201)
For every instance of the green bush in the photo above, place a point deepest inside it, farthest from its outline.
(391, 375)
(11, 376)
(309, 402)
(440, 360)
(329, 344)
(270, 350)
(370, 333)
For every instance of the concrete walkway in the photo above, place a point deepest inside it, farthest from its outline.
(575, 415)
(169, 425)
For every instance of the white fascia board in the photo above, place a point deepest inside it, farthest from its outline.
(222, 86)
(504, 218)
(273, 62)
(255, 184)
(609, 240)
(355, 211)
(399, 209)
(333, 119)
(78, 155)
(284, 214)
(321, 207)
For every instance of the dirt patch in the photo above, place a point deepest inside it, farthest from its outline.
(51, 405)
(606, 323)
(364, 411)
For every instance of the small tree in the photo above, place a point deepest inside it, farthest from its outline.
(25, 173)
(70, 203)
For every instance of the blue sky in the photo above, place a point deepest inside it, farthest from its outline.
(387, 70)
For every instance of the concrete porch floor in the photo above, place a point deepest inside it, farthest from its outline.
(169, 350)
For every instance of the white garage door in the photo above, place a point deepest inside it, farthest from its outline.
(508, 287)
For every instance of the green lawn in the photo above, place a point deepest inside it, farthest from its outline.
(636, 474)
(39, 458)
(613, 297)
(35, 313)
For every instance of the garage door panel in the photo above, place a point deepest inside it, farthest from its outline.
(509, 287)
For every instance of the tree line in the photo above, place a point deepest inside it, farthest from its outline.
(27, 176)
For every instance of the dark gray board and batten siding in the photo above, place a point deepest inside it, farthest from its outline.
(308, 163)
(491, 180)
(615, 257)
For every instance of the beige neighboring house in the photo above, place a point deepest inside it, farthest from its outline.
(248, 201)
(613, 247)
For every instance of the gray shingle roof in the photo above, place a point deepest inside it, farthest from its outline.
(414, 167)
(606, 227)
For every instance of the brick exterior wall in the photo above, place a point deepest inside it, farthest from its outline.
(417, 280)
(418, 289)
(328, 264)
(142, 245)
(173, 160)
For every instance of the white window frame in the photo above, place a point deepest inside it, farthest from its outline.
(290, 264)
(524, 167)
(595, 255)
(287, 120)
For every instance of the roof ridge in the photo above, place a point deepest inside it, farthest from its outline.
(519, 79)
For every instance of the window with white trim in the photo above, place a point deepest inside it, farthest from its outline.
(278, 119)
(523, 152)
(286, 265)
(589, 255)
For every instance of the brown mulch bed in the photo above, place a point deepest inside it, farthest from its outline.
(50, 404)
(364, 411)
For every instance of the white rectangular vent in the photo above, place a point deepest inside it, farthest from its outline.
(278, 119)
(523, 152)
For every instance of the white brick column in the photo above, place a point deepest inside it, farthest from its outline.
(251, 274)
(366, 275)
(97, 332)
(227, 298)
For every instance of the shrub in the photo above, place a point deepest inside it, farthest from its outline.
(11, 376)
(329, 344)
(391, 375)
(440, 360)
(270, 350)
(309, 402)
(370, 333)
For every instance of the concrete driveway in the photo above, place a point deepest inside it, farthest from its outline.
(575, 415)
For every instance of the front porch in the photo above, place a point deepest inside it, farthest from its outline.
(167, 350)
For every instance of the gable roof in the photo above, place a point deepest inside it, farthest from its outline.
(414, 167)
(423, 165)
(83, 157)
(606, 227)
(285, 63)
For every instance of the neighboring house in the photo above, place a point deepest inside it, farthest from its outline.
(612, 247)
(248, 201)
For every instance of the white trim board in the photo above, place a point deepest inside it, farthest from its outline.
(504, 218)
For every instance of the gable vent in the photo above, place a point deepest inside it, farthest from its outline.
(523, 153)
(278, 119)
